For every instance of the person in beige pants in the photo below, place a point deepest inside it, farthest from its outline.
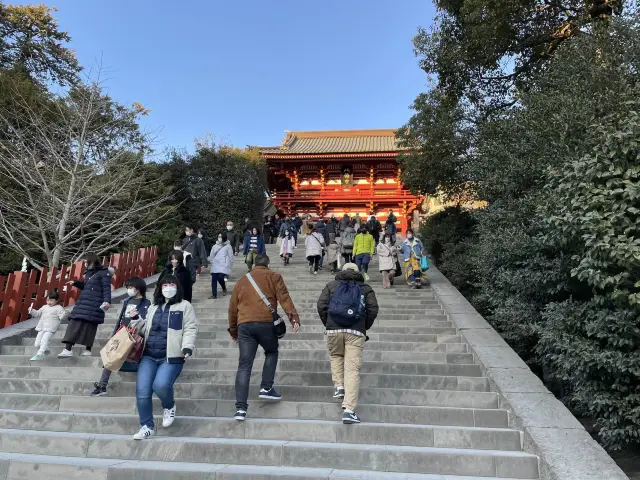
(347, 334)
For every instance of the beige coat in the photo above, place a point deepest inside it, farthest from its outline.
(387, 256)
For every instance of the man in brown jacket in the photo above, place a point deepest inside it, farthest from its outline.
(251, 324)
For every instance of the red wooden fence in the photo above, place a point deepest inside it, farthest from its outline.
(20, 290)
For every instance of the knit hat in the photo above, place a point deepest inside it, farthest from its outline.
(350, 266)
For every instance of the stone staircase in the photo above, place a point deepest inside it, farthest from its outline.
(427, 410)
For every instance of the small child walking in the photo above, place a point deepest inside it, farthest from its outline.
(288, 243)
(133, 307)
(334, 255)
(50, 316)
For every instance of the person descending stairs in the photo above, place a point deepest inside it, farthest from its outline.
(427, 410)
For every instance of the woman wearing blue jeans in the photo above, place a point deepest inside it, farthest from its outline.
(170, 331)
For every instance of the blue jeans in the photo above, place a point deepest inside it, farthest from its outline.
(155, 375)
(362, 261)
(250, 335)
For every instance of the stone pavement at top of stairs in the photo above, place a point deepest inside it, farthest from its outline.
(428, 412)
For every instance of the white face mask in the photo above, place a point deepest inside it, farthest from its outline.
(132, 292)
(169, 291)
(200, 235)
(219, 239)
(229, 227)
(387, 241)
(409, 237)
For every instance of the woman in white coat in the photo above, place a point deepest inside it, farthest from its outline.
(288, 243)
(314, 244)
(387, 257)
(221, 261)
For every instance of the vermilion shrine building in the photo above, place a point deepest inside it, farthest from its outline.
(339, 171)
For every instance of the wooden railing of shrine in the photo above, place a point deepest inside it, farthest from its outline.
(20, 290)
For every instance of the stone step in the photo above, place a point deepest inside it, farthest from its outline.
(393, 458)
(198, 396)
(38, 467)
(203, 328)
(406, 368)
(429, 353)
(283, 378)
(490, 417)
(479, 438)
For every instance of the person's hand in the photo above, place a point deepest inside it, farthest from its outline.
(70, 282)
(133, 312)
(105, 306)
(296, 326)
(187, 355)
(235, 340)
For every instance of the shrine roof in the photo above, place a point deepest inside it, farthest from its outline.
(335, 141)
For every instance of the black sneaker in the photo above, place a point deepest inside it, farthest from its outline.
(350, 418)
(270, 395)
(213, 297)
(99, 390)
(338, 393)
(240, 416)
(224, 293)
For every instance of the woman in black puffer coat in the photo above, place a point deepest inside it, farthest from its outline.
(176, 266)
(88, 311)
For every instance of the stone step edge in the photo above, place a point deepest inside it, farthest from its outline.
(236, 441)
(254, 420)
(125, 469)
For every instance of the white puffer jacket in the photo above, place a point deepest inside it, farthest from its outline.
(314, 244)
(49, 318)
(221, 258)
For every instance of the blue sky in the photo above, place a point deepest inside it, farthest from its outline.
(246, 71)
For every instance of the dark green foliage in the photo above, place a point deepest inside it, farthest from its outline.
(217, 184)
(448, 236)
(553, 259)
(593, 346)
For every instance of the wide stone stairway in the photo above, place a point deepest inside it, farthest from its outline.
(427, 410)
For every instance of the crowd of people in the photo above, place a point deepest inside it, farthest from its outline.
(167, 323)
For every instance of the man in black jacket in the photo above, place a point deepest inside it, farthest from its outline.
(194, 246)
(346, 344)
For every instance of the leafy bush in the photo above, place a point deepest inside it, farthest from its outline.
(447, 236)
(593, 346)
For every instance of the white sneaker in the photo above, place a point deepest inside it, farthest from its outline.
(144, 433)
(65, 354)
(86, 353)
(168, 416)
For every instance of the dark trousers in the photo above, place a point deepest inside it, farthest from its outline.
(217, 278)
(250, 335)
(315, 261)
(348, 257)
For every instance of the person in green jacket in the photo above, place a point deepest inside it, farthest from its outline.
(363, 249)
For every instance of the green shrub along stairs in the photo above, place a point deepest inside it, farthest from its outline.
(428, 412)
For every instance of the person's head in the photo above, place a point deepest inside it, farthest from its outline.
(333, 216)
(372, 217)
(189, 230)
(168, 290)
(222, 237)
(350, 267)
(386, 239)
(262, 261)
(136, 287)
(200, 233)
(53, 298)
(255, 232)
(91, 261)
(410, 234)
(314, 229)
(177, 244)
(229, 226)
(363, 230)
(176, 258)
(287, 232)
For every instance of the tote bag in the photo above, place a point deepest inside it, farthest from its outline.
(117, 349)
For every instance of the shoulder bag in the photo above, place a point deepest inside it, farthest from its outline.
(278, 323)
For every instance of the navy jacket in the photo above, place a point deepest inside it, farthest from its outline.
(156, 345)
(247, 245)
(96, 290)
